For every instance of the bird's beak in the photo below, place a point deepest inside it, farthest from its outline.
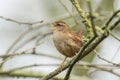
(52, 28)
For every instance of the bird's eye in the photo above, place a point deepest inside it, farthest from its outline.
(59, 24)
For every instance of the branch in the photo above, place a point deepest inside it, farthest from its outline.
(115, 64)
(67, 10)
(91, 17)
(92, 27)
(17, 40)
(114, 25)
(84, 17)
(115, 36)
(110, 19)
(8, 57)
(18, 22)
(76, 58)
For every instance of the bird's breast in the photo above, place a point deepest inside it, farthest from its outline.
(61, 45)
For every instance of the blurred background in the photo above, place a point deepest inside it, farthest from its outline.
(27, 51)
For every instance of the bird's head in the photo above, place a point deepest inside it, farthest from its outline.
(60, 26)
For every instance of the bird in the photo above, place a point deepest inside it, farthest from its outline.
(67, 42)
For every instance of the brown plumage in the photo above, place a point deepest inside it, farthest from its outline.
(66, 41)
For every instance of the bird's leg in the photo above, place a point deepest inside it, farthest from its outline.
(61, 65)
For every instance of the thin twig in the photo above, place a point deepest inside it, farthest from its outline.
(115, 24)
(8, 58)
(84, 17)
(84, 47)
(91, 47)
(75, 59)
(116, 53)
(68, 11)
(110, 19)
(91, 17)
(115, 36)
(105, 59)
(17, 40)
(85, 65)
(12, 46)
(29, 30)
(18, 22)
(41, 37)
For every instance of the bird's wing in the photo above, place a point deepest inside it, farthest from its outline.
(74, 42)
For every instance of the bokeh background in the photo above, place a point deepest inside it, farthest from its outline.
(36, 44)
